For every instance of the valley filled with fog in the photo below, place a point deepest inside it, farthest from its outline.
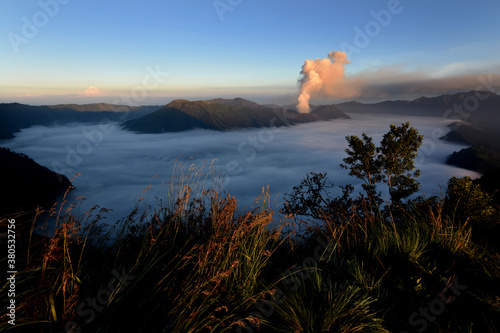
(116, 165)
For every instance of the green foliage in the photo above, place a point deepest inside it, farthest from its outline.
(363, 163)
(466, 200)
(310, 197)
(397, 152)
(392, 162)
(467, 204)
(403, 256)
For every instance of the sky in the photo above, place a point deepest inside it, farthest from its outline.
(153, 51)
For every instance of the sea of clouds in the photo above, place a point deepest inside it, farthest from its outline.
(116, 166)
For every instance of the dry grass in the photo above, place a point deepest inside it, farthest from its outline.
(197, 263)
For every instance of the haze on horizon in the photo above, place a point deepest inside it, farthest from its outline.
(128, 52)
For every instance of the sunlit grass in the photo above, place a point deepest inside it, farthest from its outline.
(196, 262)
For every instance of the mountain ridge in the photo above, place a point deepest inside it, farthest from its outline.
(437, 106)
(16, 116)
(19, 172)
(223, 114)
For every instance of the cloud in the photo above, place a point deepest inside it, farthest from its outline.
(90, 95)
(27, 95)
(392, 83)
(116, 169)
(92, 92)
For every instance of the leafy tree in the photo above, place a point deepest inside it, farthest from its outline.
(397, 153)
(465, 200)
(467, 204)
(362, 163)
(312, 198)
(392, 162)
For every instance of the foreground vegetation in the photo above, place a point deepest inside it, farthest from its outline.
(196, 263)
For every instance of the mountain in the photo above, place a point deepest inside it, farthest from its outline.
(478, 123)
(15, 116)
(94, 107)
(222, 114)
(476, 158)
(236, 102)
(26, 184)
(478, 127)
(105, 107)
(475, 134)
(288, 106)
(484, 154)
(477, 115)
(425, 106)
(329, 112)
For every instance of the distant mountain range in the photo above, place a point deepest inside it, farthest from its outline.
(223, 114)
(15, 116)
(425, 106)
(105, 107)
(478, 119)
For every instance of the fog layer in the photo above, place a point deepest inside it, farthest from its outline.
(117, 165)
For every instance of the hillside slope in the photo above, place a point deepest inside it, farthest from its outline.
(428, 106)
(26, 184)
(223, 114)
(329, 112)
(15, 116)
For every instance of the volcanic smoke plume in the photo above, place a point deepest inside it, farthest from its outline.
(326, 79)
(321, 77)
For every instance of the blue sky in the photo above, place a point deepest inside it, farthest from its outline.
(95, 51)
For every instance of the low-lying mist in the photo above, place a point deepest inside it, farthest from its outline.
(117, 165)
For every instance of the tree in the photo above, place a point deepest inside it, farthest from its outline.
(465, 200)
(310, 197)
(397, 153)
(362, 163)
(392, 162)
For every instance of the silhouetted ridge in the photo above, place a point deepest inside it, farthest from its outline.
(329, 112)
(427, 106)
(15, 116)
(236, 102)
(222, 114)
(26, 183)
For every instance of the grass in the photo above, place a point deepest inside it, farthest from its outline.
(316, 302)
(195, 262)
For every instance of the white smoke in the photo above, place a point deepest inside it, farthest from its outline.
(321, 77)
(326, 79)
